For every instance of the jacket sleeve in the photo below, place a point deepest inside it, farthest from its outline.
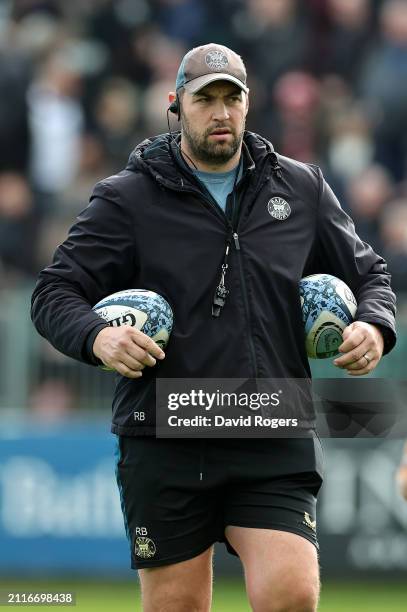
(342, 253)
(96, 259)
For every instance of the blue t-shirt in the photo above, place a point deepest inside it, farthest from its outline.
(220, 184)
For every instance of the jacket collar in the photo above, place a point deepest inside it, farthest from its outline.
(159, 156)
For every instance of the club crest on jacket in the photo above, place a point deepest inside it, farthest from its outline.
(279, 208)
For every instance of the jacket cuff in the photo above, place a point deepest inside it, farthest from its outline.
(88, 346)
(389, 337)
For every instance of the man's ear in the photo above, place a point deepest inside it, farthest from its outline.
(247, 102)
(171, 97)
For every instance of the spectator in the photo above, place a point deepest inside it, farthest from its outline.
(274, 36)
(56, 121)
(18, 228)
(182, 20)
(52, 401)
(296, 97)
(350, 147)
(368, 194)
(94, 164)
(347, 37)
(116, 114)
(14, 133)
(393, 230)
(384, 84)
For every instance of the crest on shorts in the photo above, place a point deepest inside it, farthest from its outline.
(145, 548)
(279, 208)
(216, 60)
(309, 523)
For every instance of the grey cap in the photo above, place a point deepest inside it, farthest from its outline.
(209, 63)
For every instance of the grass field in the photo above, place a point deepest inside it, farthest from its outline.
(229, 596)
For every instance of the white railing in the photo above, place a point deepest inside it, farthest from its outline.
(31, 369)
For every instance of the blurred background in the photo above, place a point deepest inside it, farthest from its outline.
(81, 82)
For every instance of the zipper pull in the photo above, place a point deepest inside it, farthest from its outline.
(221, 292)
(236, 239)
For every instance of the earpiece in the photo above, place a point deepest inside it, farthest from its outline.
(175, 108)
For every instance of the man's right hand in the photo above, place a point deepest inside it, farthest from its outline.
(126, 350)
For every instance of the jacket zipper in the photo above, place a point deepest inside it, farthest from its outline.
(244, 288)
(246, 305)
(221, 291)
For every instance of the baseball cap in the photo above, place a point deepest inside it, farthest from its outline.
(209, 63)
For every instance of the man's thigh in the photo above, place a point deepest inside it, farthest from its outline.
(259, 498)
(270, 523)
(179, 587)
(170, 513)
(281, 568)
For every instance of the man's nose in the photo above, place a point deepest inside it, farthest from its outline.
(220, 111)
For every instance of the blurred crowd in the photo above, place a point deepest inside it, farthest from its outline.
(81, 82)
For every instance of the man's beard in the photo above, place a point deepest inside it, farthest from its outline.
(211, 152)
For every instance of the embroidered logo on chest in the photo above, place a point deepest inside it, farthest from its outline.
(279, 208)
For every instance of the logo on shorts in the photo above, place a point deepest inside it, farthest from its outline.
(144, 548)
(216, 60)
(279, 208)
(309, 523)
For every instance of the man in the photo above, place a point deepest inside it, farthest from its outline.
(186, 206)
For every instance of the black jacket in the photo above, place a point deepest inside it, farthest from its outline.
(153, 226)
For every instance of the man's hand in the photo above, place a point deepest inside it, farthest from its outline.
(126, 350)
(362, 348)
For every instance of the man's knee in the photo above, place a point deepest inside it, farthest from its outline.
(179, 587)
(177, 601)
(295, 597)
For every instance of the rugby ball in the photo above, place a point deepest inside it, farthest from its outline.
(328, 306)
(146, 310)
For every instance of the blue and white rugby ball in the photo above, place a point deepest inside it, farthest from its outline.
(328, 306)
(146, 310)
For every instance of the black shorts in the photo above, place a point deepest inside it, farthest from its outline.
(178, 496)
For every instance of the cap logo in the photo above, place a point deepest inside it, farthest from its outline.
(216, 60)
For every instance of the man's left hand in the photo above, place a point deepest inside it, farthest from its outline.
(361, 349)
